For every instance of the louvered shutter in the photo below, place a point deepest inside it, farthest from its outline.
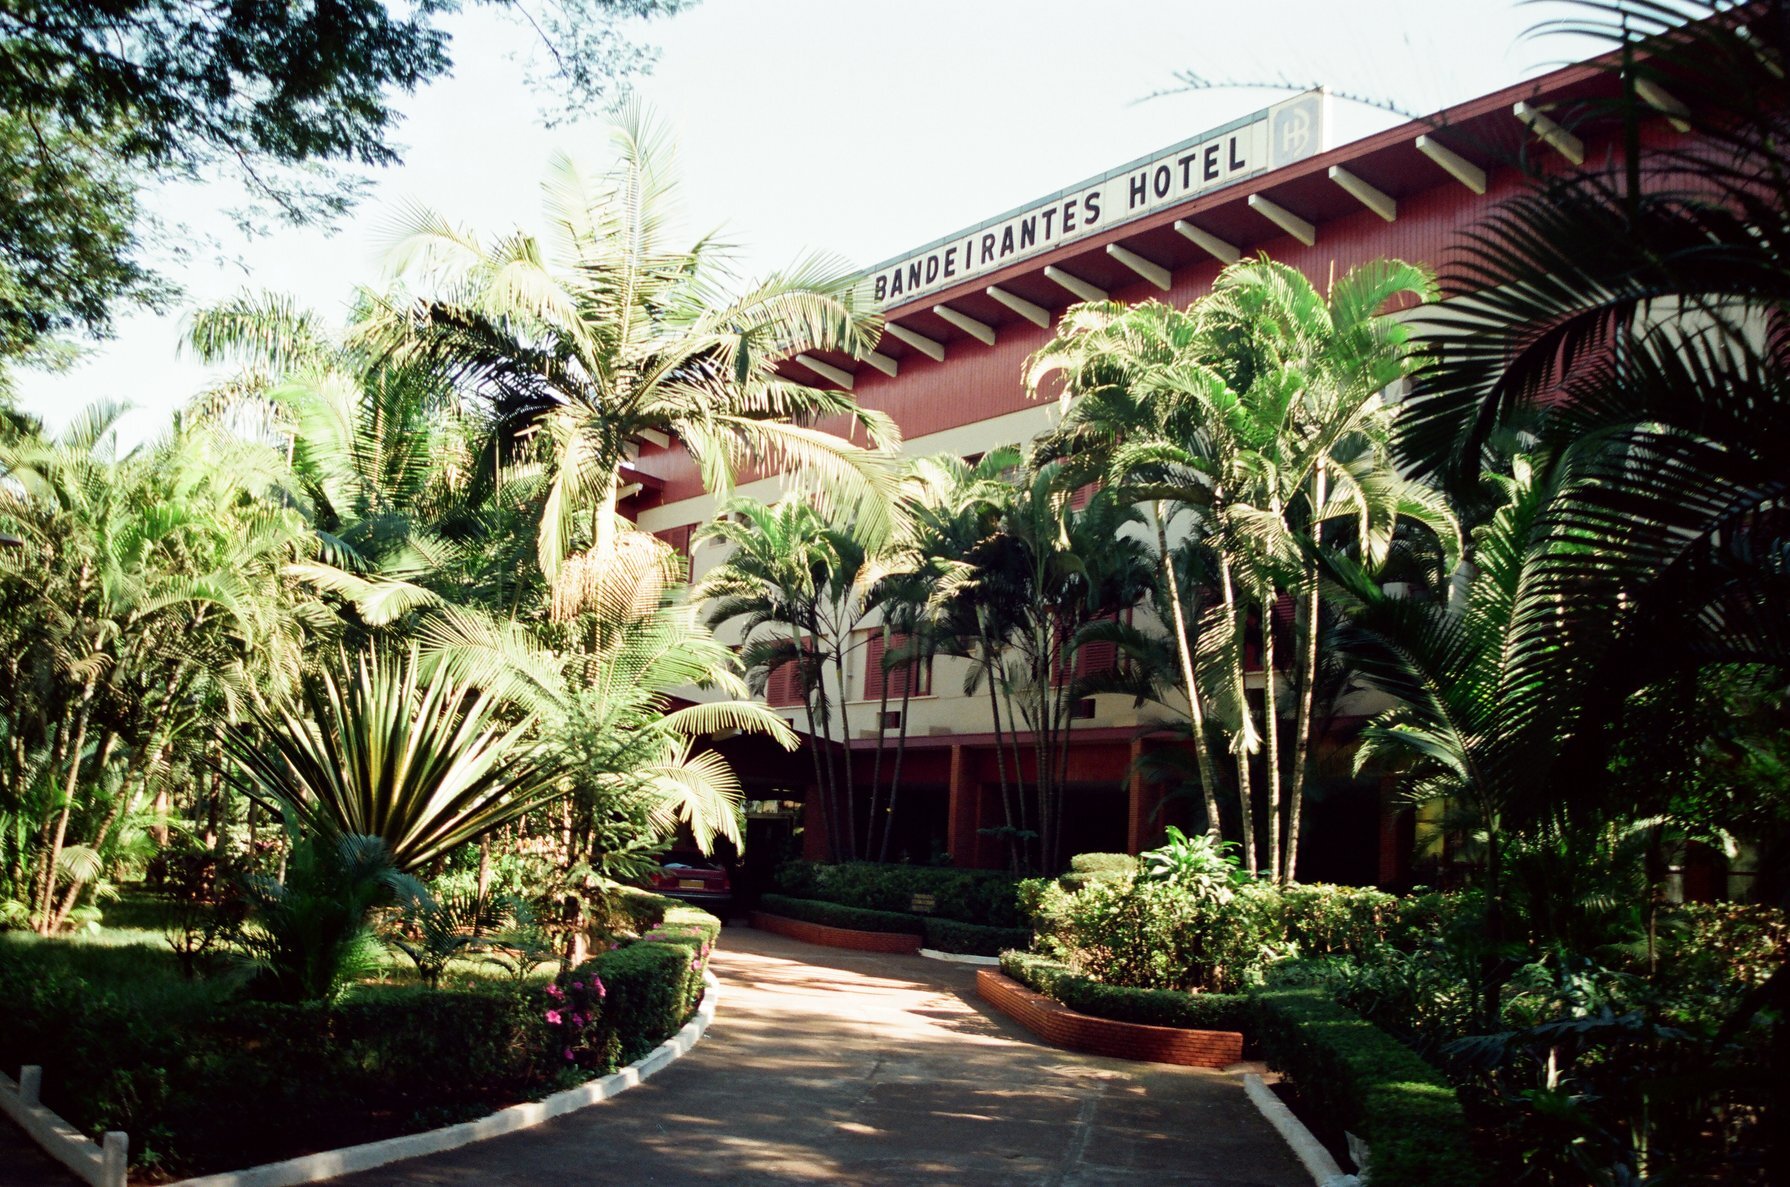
(874, 676)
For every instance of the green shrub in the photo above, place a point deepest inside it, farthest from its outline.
(1320, 919)
(1038, 973)
(1150, 1007)
(204, 1081)
(829, 914)
(1085, 869)
(1103, 863)
(984, 897)
(948, 935)
(1155, 935)
(1372, 1085)
(648, 994)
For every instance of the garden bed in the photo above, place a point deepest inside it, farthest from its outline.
(1057, 1024)
(837, 937)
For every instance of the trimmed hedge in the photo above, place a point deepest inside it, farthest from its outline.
(1347, 1068)
(1150, 1007)
(1085, 869)
(948, 935)
(203, 1081)
(984, 897)
(829, 914)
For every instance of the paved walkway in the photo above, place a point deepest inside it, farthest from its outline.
(825, 1066)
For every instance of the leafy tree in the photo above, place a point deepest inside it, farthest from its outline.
(103, 98)
(606, 335)
(145, 601)
(1253, 418)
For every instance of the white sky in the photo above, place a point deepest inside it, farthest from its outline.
(838, 125)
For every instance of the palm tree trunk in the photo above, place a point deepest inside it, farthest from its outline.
(1190, 684)
(907, 694)
(1302, 737)
(1000, 757)
(53, 855)
(1271, 724)
(845, 754)
(75, 885)
(823, 787)
(1245, 783)
(876, 767)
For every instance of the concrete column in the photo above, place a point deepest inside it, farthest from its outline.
(960, 811)
(814, 827)
(31, 1084)
(1142, 821)
(114, 1159)
(1395, 841)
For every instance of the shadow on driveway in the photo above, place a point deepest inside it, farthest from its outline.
(827, 1066)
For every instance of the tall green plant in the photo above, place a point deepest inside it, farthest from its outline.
(606, 334)
(375, 751)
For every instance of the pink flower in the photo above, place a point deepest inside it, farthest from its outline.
(579, 1020)
(569, 1056)
(553, 1017)
(577, 985)
(555, 991)
(598, 986)
(696, 966)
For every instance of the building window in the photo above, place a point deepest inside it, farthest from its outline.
(895, 678)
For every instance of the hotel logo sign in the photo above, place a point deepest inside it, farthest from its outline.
(1287, 132)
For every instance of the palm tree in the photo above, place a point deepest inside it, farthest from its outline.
(791, 583)
(1044, 574)
(1142, 415)
(148, 599)
(405, 514)
(1256, 416)
(1314, 371)
(1463, 727)
(605, 335)
(1625, 317)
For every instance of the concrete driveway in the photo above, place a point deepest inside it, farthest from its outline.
(825, 1066)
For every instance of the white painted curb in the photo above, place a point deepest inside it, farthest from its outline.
(312, 1168)
(1318, 1162)
(959, 957)
(93, 1163)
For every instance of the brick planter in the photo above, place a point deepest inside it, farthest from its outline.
(837, 937)
(1057, 1024)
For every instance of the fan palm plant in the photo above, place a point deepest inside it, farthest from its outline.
(376, 752)
(604, 334)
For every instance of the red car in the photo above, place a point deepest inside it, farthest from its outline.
(688, 875)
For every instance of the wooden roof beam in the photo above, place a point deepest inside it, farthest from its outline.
(1285, 219)
(1153, 272)
(981, 331)
(1075, 284)
(1372, 197)
(1556, 137)
(1452, 163)
(1224, 253)
(1033, 312)
(931, 349)
(828, 371)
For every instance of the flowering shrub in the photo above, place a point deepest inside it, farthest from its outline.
(574, 1008)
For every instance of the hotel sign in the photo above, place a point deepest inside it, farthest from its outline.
(1284, 133)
